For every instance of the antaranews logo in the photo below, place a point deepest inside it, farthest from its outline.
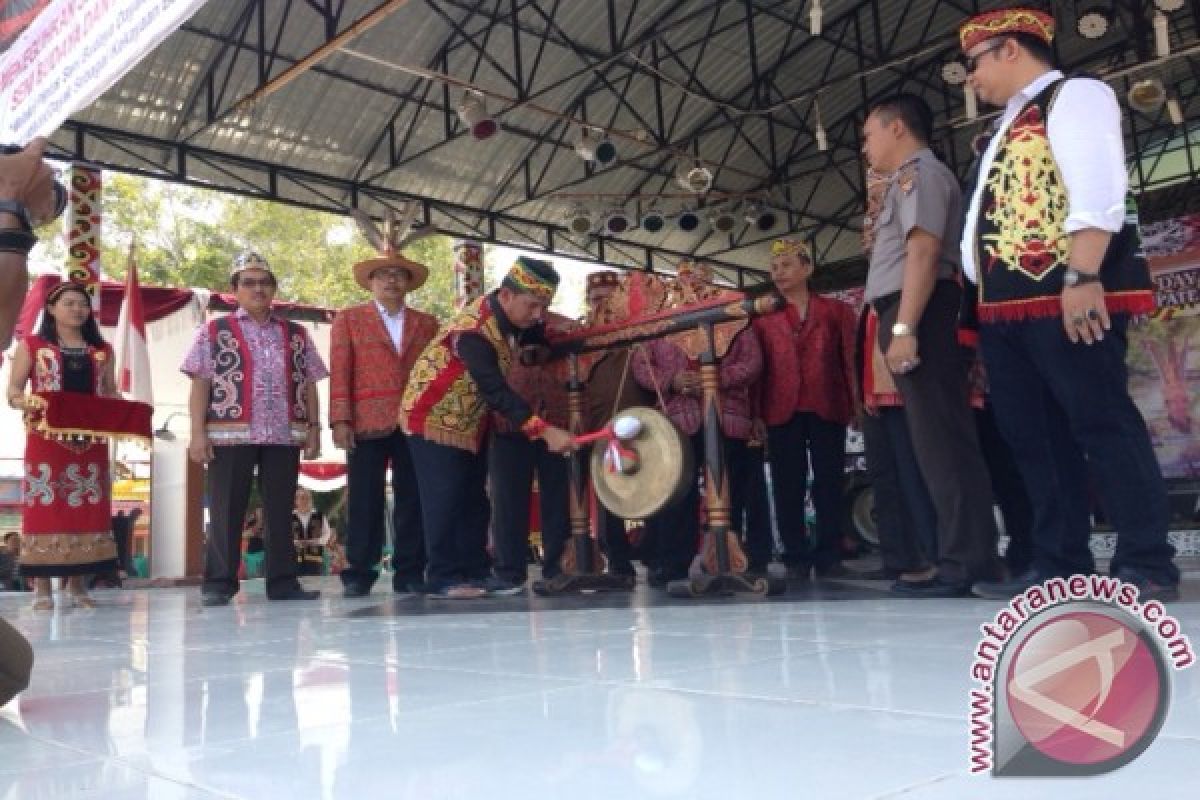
(1073, 678)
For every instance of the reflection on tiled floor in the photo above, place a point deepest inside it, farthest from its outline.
(833, 691)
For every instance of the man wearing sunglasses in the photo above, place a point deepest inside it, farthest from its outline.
(1051, 240)
(253, 403)
(373, 347)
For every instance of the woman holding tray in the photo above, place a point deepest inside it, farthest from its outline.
(66, 527)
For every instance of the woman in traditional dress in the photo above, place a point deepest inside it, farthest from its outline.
(66, 524)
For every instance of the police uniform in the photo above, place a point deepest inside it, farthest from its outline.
(924, 194)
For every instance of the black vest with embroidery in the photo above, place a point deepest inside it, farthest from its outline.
(313, 531)
(1021, 243)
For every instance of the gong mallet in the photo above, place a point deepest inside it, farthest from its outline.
(617, 457)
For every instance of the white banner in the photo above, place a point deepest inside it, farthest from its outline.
(72, 53)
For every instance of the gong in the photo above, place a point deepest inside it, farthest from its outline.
(656, 469)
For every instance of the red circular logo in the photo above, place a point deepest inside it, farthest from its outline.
(1084, 688)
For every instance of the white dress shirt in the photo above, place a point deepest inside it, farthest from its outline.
(1085, 138)
(393, 322)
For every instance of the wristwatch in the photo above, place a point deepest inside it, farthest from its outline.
(1073, 277)
(19, 211)
(903, 329)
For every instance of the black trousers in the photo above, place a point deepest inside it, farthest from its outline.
(512, 462)
(454, 511)
(366, 503)
(904, 512)
(791, 446)
(675, 531)
(751, 509)
(944, 437)
(229, 479)
(1057, 402)
(1008, 490)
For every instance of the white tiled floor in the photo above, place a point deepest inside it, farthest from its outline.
(833, 692)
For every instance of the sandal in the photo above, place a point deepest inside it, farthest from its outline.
(81, 600)
(43, 602)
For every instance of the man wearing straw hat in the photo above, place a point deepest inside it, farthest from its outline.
(373, 347)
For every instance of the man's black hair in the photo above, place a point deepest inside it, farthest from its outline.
(910, 109)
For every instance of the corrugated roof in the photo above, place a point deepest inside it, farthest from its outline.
(354, 129)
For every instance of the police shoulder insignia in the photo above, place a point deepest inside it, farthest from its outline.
(906, 176)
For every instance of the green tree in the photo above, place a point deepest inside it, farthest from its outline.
(188, 236)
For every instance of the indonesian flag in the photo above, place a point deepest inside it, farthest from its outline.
(133, 357)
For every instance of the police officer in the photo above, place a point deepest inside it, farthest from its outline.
(913, 283)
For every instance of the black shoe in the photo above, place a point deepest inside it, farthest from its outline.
(413, 588)
(798, 572)
(934, 587)
(881, 574)
(355, 590)
(835, 571)
(1147, 589)
(296, 592)
(659, 578)
(502, 587)
(1003, 590)
(211, 599)
(622, 568)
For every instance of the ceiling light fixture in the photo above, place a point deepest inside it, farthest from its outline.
(1175, 111)
(723, 221)
(694, 176)
(820, 135)
(579, 220)
(763, 219)
(688, 221)
(593, 145)
(653, 220)
(472, 110)
(1162, 36)
(616, 221)
(1147, 96)
(1094, 22)
(954, 73)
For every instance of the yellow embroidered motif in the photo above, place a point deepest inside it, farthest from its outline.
(1030, 209)
(441, 393)
(906, 176)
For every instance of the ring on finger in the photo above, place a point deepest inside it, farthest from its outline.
(1093, 314)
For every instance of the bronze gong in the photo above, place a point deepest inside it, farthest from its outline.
(658, 475)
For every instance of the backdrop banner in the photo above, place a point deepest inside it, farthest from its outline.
(72, 52)
(1164, 350)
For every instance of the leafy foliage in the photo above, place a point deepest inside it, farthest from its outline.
(187, 236)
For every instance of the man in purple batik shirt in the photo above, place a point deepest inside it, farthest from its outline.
(253, 404)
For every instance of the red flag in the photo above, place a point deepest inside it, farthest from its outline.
(132, 354)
